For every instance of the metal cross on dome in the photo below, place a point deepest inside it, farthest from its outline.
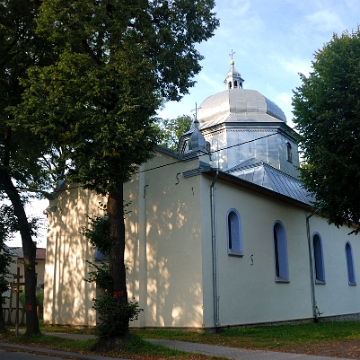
(232, 54)
(196, 110)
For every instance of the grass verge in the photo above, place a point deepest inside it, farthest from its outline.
(325, 338)
(136, 348)
(280, 338)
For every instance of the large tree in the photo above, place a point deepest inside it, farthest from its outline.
(116, 61)
(327, 116)
(21, 153)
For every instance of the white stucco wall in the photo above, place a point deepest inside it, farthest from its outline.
(163, 249)
(164, 255)
(67, 296)
(337, 297)
(247, 288)
(169, 254)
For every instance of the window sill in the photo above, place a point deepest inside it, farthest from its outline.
(352, 284)
(320, 282)
(281, 280)
(235, 253)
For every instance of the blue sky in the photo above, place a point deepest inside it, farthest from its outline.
(273, 41)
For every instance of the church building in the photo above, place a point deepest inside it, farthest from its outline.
(220, 233)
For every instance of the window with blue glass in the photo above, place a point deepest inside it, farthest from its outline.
(318, 260)
(234, 233)
(350, 264)
(99, 256)
(280, 252)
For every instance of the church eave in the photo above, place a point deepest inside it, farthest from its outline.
(257, 188)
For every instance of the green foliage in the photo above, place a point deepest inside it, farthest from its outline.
(100, 276)
(99, 234)
(20, 151)
(114, 63)
(172, 129)
(114, 314)
(327, 116)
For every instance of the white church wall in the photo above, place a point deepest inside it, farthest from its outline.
(169, 206)
(169, 254)
(67, 296)
(247, 287)
(163, 249)
(336, 296)
(207, 265)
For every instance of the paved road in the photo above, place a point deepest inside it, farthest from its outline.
(5, 355)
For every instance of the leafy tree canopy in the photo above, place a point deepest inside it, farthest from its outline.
(172, 129)
(116, 62)
(327, 116)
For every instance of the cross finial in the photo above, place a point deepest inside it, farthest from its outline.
(196, 110)
(232, 54)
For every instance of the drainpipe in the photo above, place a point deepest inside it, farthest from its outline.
(312, 280)
(214, 259)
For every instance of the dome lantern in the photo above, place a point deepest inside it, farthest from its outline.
(233, 78)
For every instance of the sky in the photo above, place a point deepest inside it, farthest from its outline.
(273, 41)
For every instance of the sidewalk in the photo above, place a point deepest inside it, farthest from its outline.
(209, 350)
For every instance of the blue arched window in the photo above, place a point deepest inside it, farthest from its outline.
(281, 256)
(289, 152)
(350, 264)
(233, 227)
(318, 260)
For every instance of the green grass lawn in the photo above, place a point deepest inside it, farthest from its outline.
(266, 337)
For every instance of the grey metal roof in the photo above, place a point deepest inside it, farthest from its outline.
(262, 174)
(238, 105)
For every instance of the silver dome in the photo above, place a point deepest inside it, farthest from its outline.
(238, 105)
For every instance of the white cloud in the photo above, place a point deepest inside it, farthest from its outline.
(325, 21)
(296, 65)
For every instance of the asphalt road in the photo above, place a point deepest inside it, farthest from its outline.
(14, 355)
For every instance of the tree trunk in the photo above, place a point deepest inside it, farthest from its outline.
(115, 211)
(29, 249)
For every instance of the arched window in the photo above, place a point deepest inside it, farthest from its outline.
(289, 152)
(281, 257)
(350, 264)
(233, 227)
(230, 84)
(99, 256)
(235, 84)
(318, 260)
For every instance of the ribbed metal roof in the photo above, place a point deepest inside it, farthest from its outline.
(262, 174)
